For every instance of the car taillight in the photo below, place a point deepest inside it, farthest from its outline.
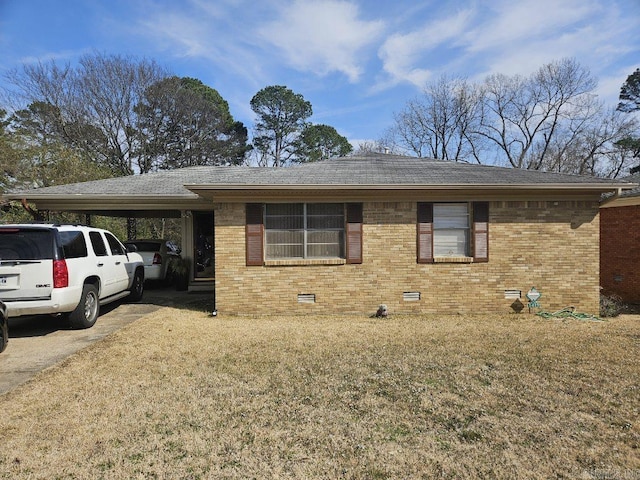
(60, 274)
(157, 259)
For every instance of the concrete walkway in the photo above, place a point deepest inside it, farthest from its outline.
(36, 343)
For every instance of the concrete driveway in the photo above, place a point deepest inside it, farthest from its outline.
(36, 343)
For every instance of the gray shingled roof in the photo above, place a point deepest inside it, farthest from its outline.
(364, 170)
(400, 170)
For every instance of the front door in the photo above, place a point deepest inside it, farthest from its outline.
(204, 267)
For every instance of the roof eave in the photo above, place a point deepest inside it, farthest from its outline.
(464, 192)
(604, 187)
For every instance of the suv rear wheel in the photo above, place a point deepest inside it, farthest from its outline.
(86, 313)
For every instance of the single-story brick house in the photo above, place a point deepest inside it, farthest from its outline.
(348, 234)
(620, 244)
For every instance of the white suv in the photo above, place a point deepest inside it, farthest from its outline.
(65, 269)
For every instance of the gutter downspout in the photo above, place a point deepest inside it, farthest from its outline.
(615, 196)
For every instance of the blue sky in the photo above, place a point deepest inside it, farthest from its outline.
(356, 61)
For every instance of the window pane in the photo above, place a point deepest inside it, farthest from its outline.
(325, 244)
(284, 243)
(450, 243)
(284, 251)
(326, 236)
(325, 215)
(115, 246)
(99, 248)
(450, 215)
(285, 237)
(25, 244)
(284, 222)
(324, 222)
(285, 216)
(73, 244)
(324, 251)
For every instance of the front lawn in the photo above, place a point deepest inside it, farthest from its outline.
(179, 394)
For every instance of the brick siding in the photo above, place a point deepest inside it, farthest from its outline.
(620, 252)
(550, 245)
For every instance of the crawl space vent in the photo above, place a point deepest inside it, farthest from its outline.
(411, 296)
(306, 298)
(512, 294)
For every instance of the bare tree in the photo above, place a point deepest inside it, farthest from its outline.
(375, 146)
(95, 103)
(441, 123)
(524, 117)
(551, 120)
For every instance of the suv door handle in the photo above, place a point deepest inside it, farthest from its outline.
(101, 264)
(118, 263)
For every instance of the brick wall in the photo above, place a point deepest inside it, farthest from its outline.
(620, 252)
(550, 245)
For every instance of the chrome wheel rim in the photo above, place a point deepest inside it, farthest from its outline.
(90, 306)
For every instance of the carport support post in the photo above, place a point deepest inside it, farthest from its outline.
(131, 229)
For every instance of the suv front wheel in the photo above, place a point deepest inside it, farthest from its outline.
(86, 313)
(137, 287)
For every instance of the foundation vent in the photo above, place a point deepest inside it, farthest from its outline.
(306, 298)
(411, 296)
(513, 294)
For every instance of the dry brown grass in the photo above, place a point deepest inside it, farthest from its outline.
(182, 395)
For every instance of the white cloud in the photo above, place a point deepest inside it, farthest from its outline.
(207, 33)
(477, 38)
(507, 22)
(323, 37)
(401, 53)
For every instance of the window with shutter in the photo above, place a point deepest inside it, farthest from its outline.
(452, 232)
(302, 231)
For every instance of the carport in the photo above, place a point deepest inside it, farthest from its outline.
(152, 195)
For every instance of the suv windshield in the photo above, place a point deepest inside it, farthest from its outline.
(26, 244)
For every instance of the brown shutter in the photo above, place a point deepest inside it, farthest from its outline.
(425, 232)
(354, 233)
(480, 231)
(254, 230)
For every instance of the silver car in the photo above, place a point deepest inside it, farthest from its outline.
(158, 256)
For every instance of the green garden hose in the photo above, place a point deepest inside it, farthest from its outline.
(570, 312)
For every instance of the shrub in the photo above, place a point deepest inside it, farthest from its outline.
(610, 305)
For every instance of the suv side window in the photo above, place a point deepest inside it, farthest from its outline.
(98, 244)
(114, 245)
(73, 244)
